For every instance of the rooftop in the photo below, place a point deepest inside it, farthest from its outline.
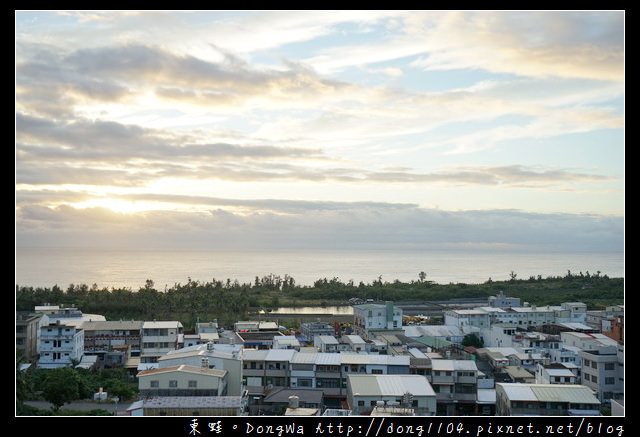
(390, 385)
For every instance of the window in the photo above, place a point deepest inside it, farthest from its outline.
(193, 384)
(154, 384)
(361, 403)
(173, 383)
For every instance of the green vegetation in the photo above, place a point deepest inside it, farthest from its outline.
(63, 385)
(229, 301)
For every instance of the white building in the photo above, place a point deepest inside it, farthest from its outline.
(603, 372)
(354, 343)
(213, 356)
(370, 318)
(60, 344)
(326, 343)
(585, 341)
(556, 374)
(467, 319)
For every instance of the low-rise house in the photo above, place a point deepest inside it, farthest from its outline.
(214, 356)
(354, 343)
(545, 400)
(326, 343)
(366, 392)
(182, 381)
(286, 342)
(556, 373)
(519, 374)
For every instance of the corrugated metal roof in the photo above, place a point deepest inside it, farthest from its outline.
(280, 354)
(518, 392)
(328, 359)
(550, 393)
(564, 393)
(193, 402)
(304, 358)
(451, 365)
(390, 385)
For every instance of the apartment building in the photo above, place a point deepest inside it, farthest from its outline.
(455, 383)
(27, 332)
(602, 371)
(60, 344)
(266, 368)
(108, 340)
(310, 329)
(157, 339)
(263, 370)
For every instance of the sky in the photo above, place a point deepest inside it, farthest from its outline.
(320, 129)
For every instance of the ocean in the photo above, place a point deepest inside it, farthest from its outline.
(127, 268)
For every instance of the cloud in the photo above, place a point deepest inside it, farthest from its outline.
(320, 225)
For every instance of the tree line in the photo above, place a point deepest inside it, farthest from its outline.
(230, 300)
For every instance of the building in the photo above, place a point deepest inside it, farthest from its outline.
(106, 339)
(60, 344)
(310, 329)
(455, 383)
(182, 381)
(545, 400)
(366, 392)
(354, 343)
(603, 370)
(556, 373)
(214, 356)
(27, 332)
(264, 369)
(304, 401)
(157, 339)
(586, 341)
(326, 343)
(466, 319)
(371, 318)
(502, 301)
